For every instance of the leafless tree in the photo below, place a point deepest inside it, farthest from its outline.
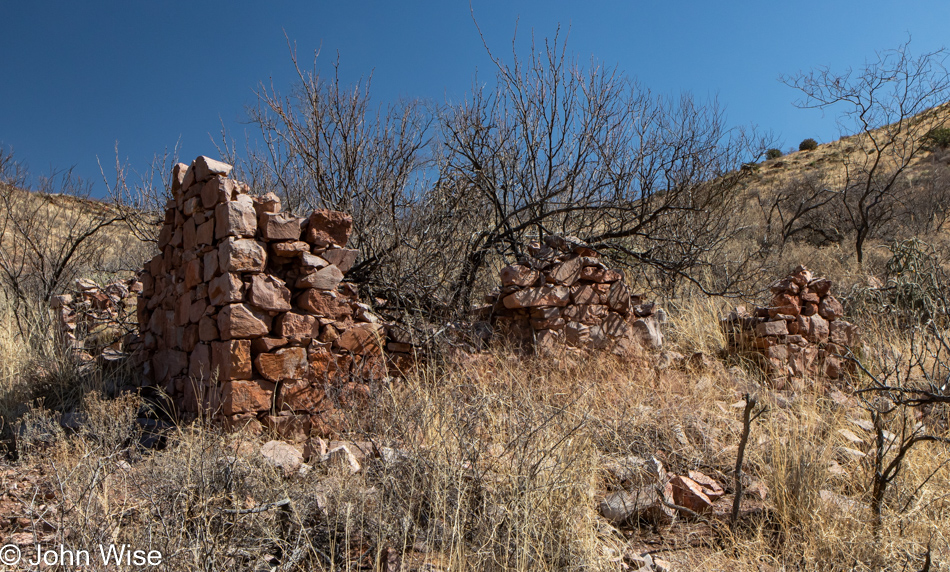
(47, 239)
(552, 147)
(901, 384)
(890, 105)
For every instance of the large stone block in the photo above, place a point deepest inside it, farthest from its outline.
(235, 218)
(239, 321)
(302, 395)
(518, 275)
(200, 363)
(364, 338)
(326, 228)
(282, 364)
(217, 190)
(342, 258)
(241, 255)
(280, 226)
(326, 279)
(568, 272)
(541, 296)
(231, 360)
(241, 396)
(774, 328)
(269, 293)
(297, 326)
(226, 289)
(205, 167)
(327, 304)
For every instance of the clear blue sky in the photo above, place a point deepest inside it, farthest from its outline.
(79, 76)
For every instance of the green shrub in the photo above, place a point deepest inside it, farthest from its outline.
(808, 145)
(773, 154)
(937, 138)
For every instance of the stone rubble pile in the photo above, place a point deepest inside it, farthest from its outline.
(799, 336)
(98, 321)
(648, 493)
(562, 294)
(245, 312)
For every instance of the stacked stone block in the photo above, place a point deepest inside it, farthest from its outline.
(245, 313)
(563, 295)
(800, 335)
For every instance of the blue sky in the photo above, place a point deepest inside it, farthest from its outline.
(77, 77)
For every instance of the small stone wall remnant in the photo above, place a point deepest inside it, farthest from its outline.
(245, 311)
(98, 321)
(563, 294)
(800, 335)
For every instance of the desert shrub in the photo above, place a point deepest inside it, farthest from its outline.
(937, 138)
(773, 154)
(808, 145)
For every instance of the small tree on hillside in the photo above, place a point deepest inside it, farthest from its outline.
(891, 104)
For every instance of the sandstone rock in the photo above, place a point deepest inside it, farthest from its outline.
(269, 293)
(540, 296)
(689, 494)
(820, 286)
(210, 265)
(775, 328)
(785, 304)
(648, 329)
(178, 176)
(285, 457)
(267, 203)
(290, 249)
(327, 279)
(618, 297)
(830, 308)
(169, 363)
(342, 258)
(711, 488)
(817, 329)
(801, 276)
(843, 333)
(310, 262)
(240, 396)
(205, 167)
(231, 360)
(200, 363)
(217, 190)
(325, 304)
(590, 293)
(226, 289)
(297, 326)
(301, 395)
(205, 233)
(236, 218)
(576, 334)
(518, 275)
(241, 255)
(286, 363)
(241, 321)
(327, 227)
(342, 456)
(281, 226)
(590, 315)
(266, 344)
(567, 272)
(624, 508)
(364, 338)
(600, 275)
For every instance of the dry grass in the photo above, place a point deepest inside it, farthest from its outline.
(495, 462)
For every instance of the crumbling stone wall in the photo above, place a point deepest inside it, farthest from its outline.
(800, 336)
(245, 311)
(563, 295)
(97, 322)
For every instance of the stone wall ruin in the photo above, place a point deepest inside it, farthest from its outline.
(563, 295)
(245, 313)
(800, 336)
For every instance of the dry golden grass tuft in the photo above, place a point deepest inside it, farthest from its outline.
(496, 462)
